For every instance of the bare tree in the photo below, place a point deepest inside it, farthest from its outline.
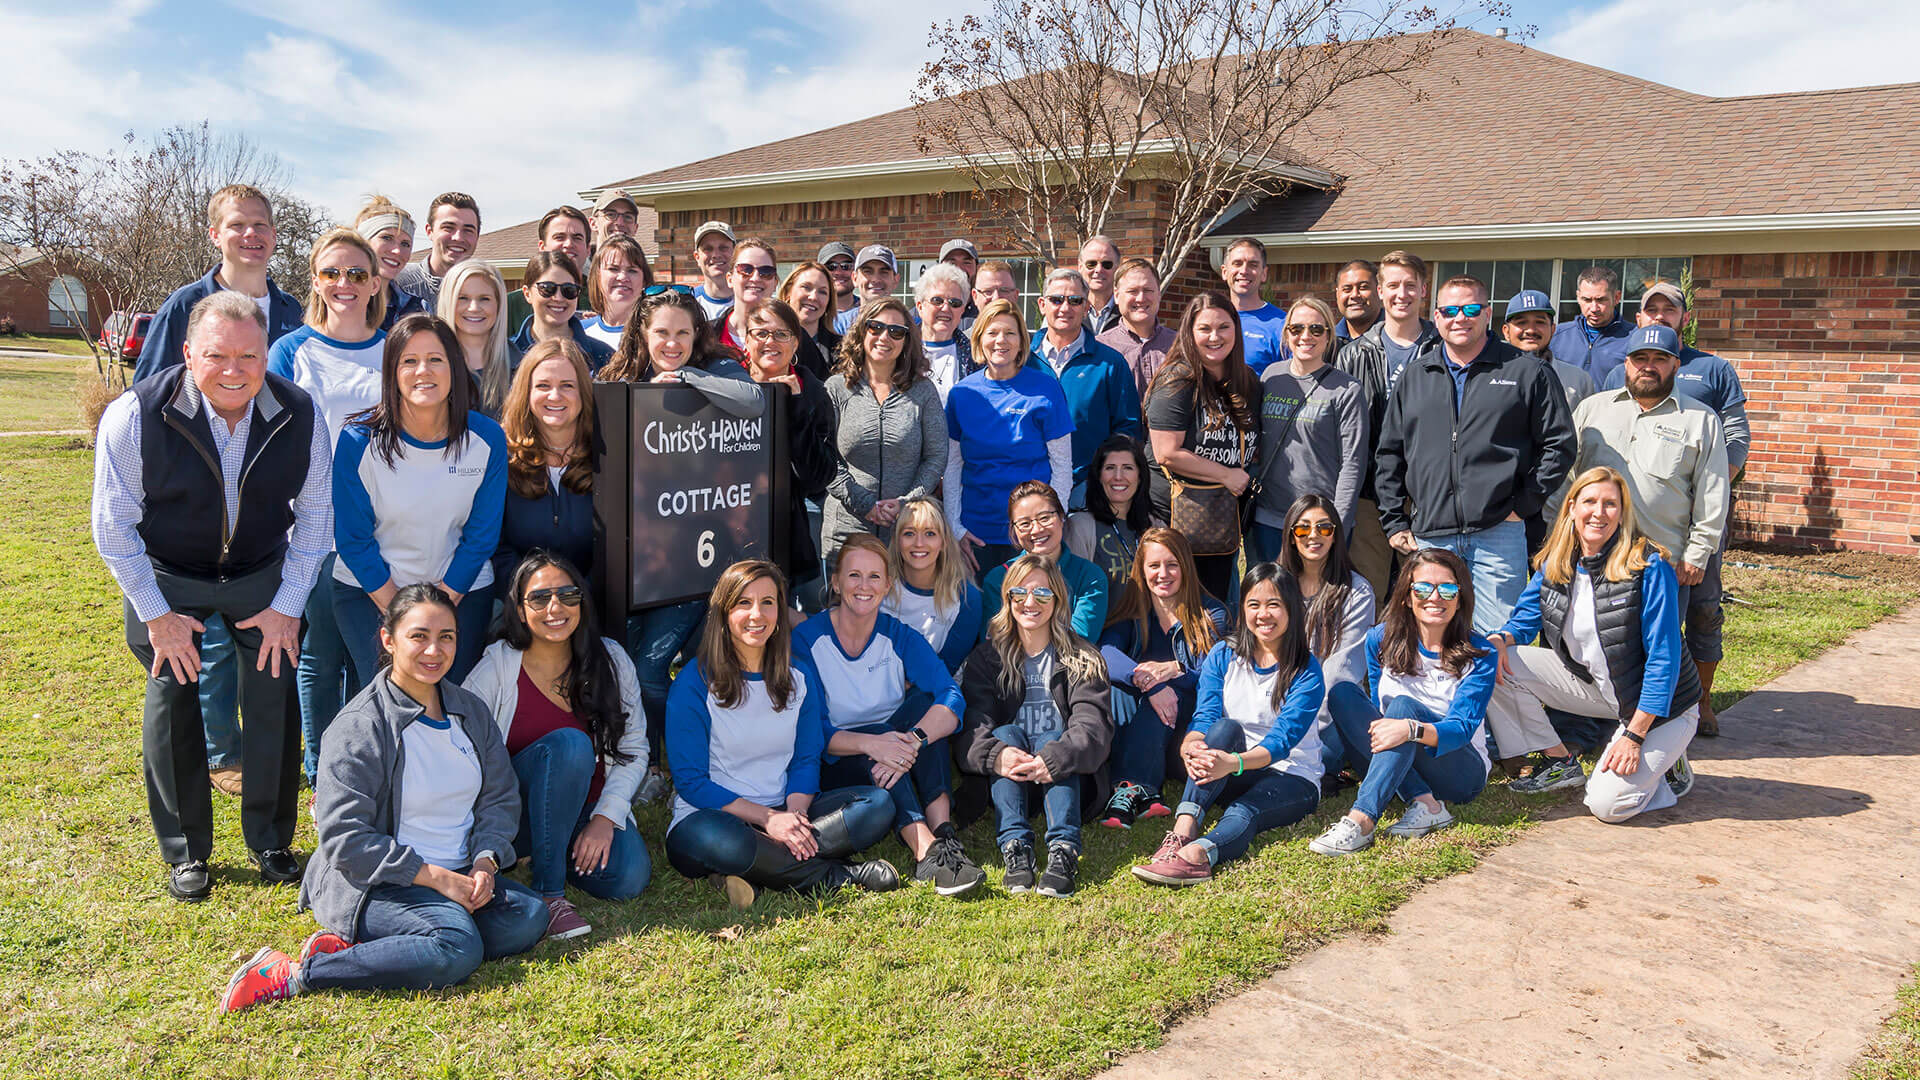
(1052, 113)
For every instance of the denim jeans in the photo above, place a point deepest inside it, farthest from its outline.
(1061, 798)
(1265, 543)
(1144, 748)
(654, 637)
(1497, 559)
(220, 695)
(1410, 769)
(359, 621)
(412, 938)
(930, 777)
(1256, 801)
(325, 675)
(555, 772)
(845, 821)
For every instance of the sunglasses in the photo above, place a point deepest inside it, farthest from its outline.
(841, 266)
(569, 595)
(1424, 590)
(764, 335)
(897, 333)
(355, 275)
(1038, 592)
(1098, 264)
(656, 290)
(949, 301)
(1454, 311)
(566, 289)
(748, 270)
(1056, 301)
(1311, 329)
(1304, 530)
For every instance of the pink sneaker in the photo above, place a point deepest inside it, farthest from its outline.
(1169, 867)
(563, 921)
(262, 978)
(1156, 808)
(322, 941)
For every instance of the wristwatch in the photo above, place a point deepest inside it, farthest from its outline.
(921, 735)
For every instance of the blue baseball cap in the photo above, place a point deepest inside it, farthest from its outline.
(1529, 300)
(1657, 337)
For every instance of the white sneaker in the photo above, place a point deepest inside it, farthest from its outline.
(1343, 838)
(1419, 821)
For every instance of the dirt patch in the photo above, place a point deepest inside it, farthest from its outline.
(1843, 568)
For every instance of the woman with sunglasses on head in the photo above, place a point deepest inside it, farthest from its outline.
(932, 592)
(1040, 526)
(890, 430)
(1313, 431)
(1254, 745)
(1421, 734)
(1606, 605)
(808, 290)
(552, 285)
(752, 279)
(891, 703)
(1162, 628)
(568, 707)
(1339, 602)
(617, 278)
(414, 810)
(746, 729)
(1107, 532)
(1036, 722)
(773, 336)
(419, 482)
(335, 358)
(549, 428)
(473, 300)
(1203, 424)
(389, 231)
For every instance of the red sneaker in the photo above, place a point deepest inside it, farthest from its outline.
(1156, 808)
(263, 978)
(322, 941)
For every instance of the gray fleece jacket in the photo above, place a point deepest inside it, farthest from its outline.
(356, 805)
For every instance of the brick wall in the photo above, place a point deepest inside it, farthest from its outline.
(23, 295)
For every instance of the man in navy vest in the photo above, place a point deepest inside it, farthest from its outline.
(212, 497)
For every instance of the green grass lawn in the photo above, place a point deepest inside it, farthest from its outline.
(71, 346)
(1895, 1055)
(40, 394)
(102, 975)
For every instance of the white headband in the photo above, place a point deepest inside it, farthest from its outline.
(372, 226)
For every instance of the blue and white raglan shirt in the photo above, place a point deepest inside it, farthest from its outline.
(1460, 701)
(432, 515)
(341, 377)
(751, 751)
(953, 632)
(1234, 687)
(711, 305)
(869, 688)
(596, 328)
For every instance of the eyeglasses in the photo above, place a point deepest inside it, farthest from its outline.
(1056, 301)
(567, 289)
(355, 275)
(1302, 530)
(841, 266)
(1097, 264)
(1424, 590)
(1038, 592)
(1454, 311)
(952, 302)
(656, 290)
(568, 595)
(764, 335)
(1311, 329)
(1042, 520)
(897, 333)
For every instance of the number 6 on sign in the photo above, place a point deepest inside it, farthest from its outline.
(703, 548)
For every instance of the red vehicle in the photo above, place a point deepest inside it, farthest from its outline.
(123, 334)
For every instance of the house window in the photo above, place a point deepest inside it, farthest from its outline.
(1560, 278)
(1030, 274)
(67, 303)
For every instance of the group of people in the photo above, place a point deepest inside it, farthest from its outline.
(1034, 571)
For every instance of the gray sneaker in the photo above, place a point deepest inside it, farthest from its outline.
(1680, 777)
(654, 787)
(1557, 774)
(1343, 838)
(1419, 821)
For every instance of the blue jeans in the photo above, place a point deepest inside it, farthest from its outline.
(654, 637)
(930, 777)
(1142, 744)
(1060, 798)
(325, 675)
(1265, 543)
(220, 695)
(1411, 770)
(359, 622)
(1256, 801)
(555, 772)
(412, 938)
(1497, 560)
(845, 821)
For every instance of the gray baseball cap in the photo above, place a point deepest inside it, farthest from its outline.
(877, 253)
(828, 251)
(956, 244)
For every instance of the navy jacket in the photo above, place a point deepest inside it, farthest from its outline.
(560, 521)
(598, 352)
(167, 334)
(1606, 352)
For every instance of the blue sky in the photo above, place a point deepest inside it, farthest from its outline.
(522, 108)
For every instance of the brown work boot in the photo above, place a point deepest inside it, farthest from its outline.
(226, 780)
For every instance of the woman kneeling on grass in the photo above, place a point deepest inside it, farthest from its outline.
(1422, 734)
(1037, 721)
(416, 805)
(746, 726)
(568, 705)
(1254, 744)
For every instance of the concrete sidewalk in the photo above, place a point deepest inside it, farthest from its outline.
(1759, 929)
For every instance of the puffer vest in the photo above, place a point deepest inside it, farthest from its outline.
(1616, 614)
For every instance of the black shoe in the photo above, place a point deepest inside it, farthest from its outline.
(875, 875)
(1017, 857)
(1062, 863)
(278, 866)
(1127, 802)
(948, 868)
(188, 881)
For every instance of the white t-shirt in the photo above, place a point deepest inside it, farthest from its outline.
(1582, 635)
(438, 786)
(751, 745)
(1246, 696)
(265, 304)
(944, 362)
(1433, 688)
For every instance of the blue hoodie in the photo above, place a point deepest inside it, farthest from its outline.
(1101, 395)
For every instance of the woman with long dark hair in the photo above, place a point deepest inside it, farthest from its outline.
(1107, 532)
(890, 429)
(1254, 744)
(568, 706)
(1339, 601)
(1422, 734)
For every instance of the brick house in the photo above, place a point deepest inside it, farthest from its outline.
(1796, 217)
(41, 301)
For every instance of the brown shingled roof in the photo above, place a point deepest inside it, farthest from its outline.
(519, 242)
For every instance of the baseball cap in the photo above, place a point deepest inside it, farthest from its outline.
(829, 251)
(613, 195)
(720, 227)
(1528, 300)
(877, 253)
(1669, 290)
(956, 244)
(1657, 337)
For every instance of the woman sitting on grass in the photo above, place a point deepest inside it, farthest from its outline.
(415, 806)
(1422, 733)
(1254, 744)
(1039, 525)
(932, 591)
(1339, 603)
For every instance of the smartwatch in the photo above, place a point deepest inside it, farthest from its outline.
(921, 735)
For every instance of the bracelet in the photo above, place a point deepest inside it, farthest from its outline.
(1242, 762)
(1638, 740)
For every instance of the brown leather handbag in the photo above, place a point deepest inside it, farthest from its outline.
(1208, 515)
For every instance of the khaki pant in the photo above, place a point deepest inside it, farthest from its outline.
(1367, 547)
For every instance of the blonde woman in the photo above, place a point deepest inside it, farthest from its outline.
(1037, 720)
(473, 300)
(932, 592)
